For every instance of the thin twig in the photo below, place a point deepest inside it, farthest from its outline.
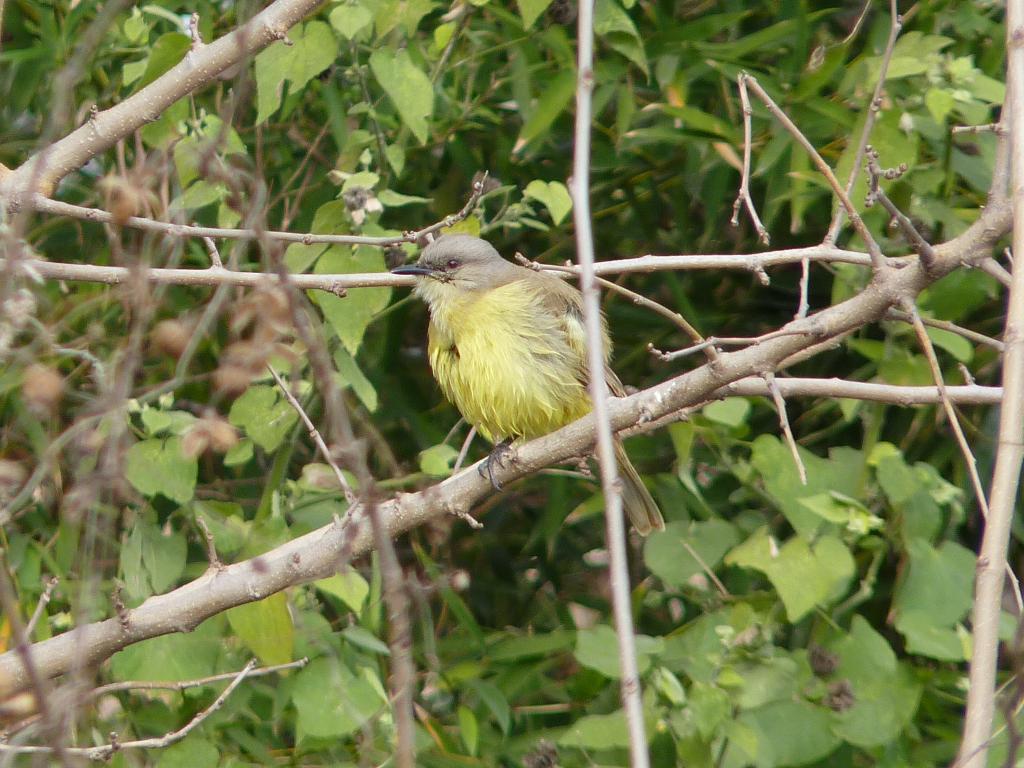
(181, 685)
(780, 407)
(875, 193)
(318, 439)
(874, 109)
(945, 325)
(464, 450)
(106, 751)
(743, 198)
(44, 600)
(211, 248)
(725, 341)
(805, 286)
(610, 483)
(877, 259)
(639, 299)
(954, 423)
(211, 547)
(43, 204)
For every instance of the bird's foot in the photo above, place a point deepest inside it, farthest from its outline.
(498, 456)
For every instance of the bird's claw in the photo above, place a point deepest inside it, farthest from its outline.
(497, 455)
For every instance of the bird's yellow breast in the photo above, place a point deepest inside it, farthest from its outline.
(509, 363)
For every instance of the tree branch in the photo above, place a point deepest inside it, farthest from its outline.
(42, 171)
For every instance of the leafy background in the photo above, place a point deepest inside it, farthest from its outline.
(836, 635)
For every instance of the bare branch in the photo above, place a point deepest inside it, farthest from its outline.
(875, 193)
(1010, 450)
(44, 204)
(615, 529)
(780, 407)
(877, 259)
(743, 198)
(106, 751)
(874, 109)
(181, 685)
(42, 171)
(318, 439)
(44, 600)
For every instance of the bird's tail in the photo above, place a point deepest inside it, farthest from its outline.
(636, 499)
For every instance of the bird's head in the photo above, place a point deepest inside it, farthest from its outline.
(455, 264)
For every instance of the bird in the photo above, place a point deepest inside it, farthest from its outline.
(507, 346)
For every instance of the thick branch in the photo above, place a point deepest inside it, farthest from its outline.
(202, 65)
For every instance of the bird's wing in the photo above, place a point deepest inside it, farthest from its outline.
(565, 302)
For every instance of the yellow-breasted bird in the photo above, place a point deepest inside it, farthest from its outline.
(508, 347)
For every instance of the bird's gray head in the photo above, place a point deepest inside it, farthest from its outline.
(458, 263)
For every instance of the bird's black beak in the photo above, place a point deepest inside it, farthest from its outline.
(412, 269)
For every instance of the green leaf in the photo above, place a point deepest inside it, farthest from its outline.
(349, 20)
(553, 100)
(438, 459)
(613, 24)
(193, 752)
(597, 732)
(158, 466)
(391, 199)
(351, 375)
(177, 656)
(804, 576)
(669, 554)
(554, 196)
(525, 646)
(240, 454)
(469, 730)
(959, 347)
(598, 649)
(265, 627)
(731, 412)
(885, 692)
(313, 49)
(167, 51)
(409, 89)
(349, 587)
(495, 700)
(840, 472)
(790, 733)
(940, 103)
(265, 414)
(332, 702)
(350, 315)
(365, 639)
(530, 10)
(935, 595)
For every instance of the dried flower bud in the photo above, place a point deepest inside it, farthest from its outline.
(42, 388)
(122, 197)
(223, 436)
(170, 337)
(231, 379)
(823, 661)
(840, 696)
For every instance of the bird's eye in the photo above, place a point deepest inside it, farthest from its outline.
(452, 263)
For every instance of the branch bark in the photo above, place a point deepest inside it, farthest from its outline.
(1010, 450)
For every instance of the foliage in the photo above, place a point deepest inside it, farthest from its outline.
(836, 631)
